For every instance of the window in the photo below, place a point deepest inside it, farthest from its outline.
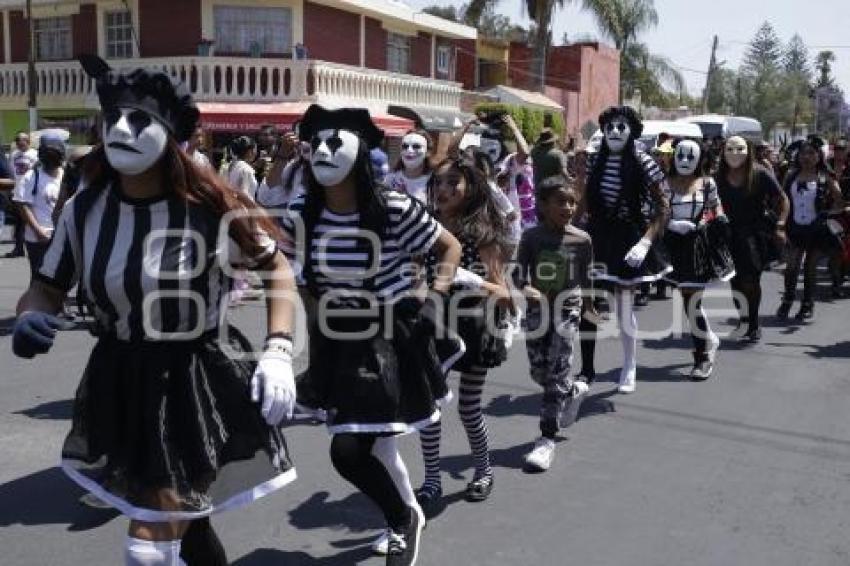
(118, 34)
(398, 53)
(241, 29)
(52, 38)
(443, 58)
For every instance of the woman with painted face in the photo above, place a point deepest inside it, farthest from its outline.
(413, 169)
(620, 179)
(383, 378)
(697, 246)
(171, 422)
(813, 194)
(757, 209)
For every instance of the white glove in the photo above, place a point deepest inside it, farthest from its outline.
(468, 279)
(681, 227)
(638, 253)
(274, 382)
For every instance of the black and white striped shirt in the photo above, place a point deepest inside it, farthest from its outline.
(153, 269)
(341, 263)
(611, 183)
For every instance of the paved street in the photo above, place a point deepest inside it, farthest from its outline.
(750, 468)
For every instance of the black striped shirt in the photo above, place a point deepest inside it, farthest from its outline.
(611, 183)
(153, 269)
(342, 264)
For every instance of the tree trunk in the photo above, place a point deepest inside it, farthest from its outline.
(541, 43)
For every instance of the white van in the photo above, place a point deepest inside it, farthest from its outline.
(714, 125)
(651, 130)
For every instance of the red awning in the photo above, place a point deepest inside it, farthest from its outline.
(248, 117)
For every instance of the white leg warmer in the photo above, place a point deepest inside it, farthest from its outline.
(138, 552)
(385, 449)
(628, 336)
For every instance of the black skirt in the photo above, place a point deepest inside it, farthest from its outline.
(700, 257)
(178, 416)
(392, 381)
(752, 250)
(815, 236)
(612, 240)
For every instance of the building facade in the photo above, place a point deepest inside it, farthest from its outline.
(247, 62)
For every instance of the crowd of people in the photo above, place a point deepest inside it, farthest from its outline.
(406, 275)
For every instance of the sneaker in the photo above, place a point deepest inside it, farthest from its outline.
(570, 413)
(752, 335)
(783, 310)
(381, 544)
(429, 497)
(540, 458)
(587, 377)
(479, 489)
(702, 367)
(806, 312)
(94, 502)
(628, 381)
(403, 547)
(14, 253)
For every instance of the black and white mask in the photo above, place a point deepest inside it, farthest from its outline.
(617, 133)
(133, 140)
(333, 154)
(414, 148)
(491, 147)
(687, 157)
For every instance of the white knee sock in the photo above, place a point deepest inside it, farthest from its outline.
(138, 552)
(628, 336)
(385, 449)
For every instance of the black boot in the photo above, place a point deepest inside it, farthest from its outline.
(784, 310)
(807, 311)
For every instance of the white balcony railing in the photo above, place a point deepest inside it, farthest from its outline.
(232, 79)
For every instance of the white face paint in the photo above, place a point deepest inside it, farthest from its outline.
(414, 148)
(492, 147)
(687, 157)
(617, 133)
(133, 139)
(333, 155)
(736, 152)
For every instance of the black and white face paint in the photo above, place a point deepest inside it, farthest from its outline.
(736, 152)
(617, 133)
(492, 147)
(687, 157)
(414, 148)
(333, 153)
(133, 139)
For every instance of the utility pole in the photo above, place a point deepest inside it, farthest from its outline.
(712, 65)
(32, 78)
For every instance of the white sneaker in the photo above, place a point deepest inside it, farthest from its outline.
(382, 543)
(540, 458)
(628, 380)
(713, 346)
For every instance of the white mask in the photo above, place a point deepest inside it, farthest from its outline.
(687, 157)
(492, 147)
(736, 152)
(133, 139)
(333, 155)
(617, 133)
(414, 148)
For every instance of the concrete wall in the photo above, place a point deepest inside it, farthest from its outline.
(331, 34)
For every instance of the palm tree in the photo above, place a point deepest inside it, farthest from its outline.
(650, 73)
(541, 13)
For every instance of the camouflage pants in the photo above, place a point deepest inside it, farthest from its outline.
(550, 355)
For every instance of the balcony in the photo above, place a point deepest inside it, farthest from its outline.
(231, 79)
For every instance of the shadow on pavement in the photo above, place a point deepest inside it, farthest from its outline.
(839, 350)
(355, 513)
(266, 556)
(54, 410)
(48, 497)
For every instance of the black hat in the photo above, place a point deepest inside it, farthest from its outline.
(155, 92)
(547, 137)
(357, 120)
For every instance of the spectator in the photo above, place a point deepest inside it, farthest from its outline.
(22, 159)
(37, 193)
(195, 147)
(7, 184)
(240, 173)
(267, 142)
(546, 158)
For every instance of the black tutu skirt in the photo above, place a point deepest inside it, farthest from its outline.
(700, 257)
(612, 240)
(175, 416)
(392, 381)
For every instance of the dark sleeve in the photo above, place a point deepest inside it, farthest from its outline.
(768, 184)
(586, 281)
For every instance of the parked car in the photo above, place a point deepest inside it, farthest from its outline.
(714, 125)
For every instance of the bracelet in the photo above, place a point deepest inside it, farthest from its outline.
(283, 335)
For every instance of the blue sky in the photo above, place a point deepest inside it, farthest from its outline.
(685, 29)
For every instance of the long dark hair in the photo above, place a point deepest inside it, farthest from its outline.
(195, 185)
(481, 220)
(427, 166)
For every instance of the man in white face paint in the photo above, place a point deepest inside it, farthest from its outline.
(620, 180)
(413, 170)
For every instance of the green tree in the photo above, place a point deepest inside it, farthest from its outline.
(823, 62)
(445, 12)
(722, 93)
(542, 13)
(761, 69)
(796, 82)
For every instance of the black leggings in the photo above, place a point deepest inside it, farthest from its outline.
(201, 546)
(587, 332)
(353, 458)
(696, 320)
(749, 288)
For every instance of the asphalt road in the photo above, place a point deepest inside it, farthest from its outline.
(750, 468)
